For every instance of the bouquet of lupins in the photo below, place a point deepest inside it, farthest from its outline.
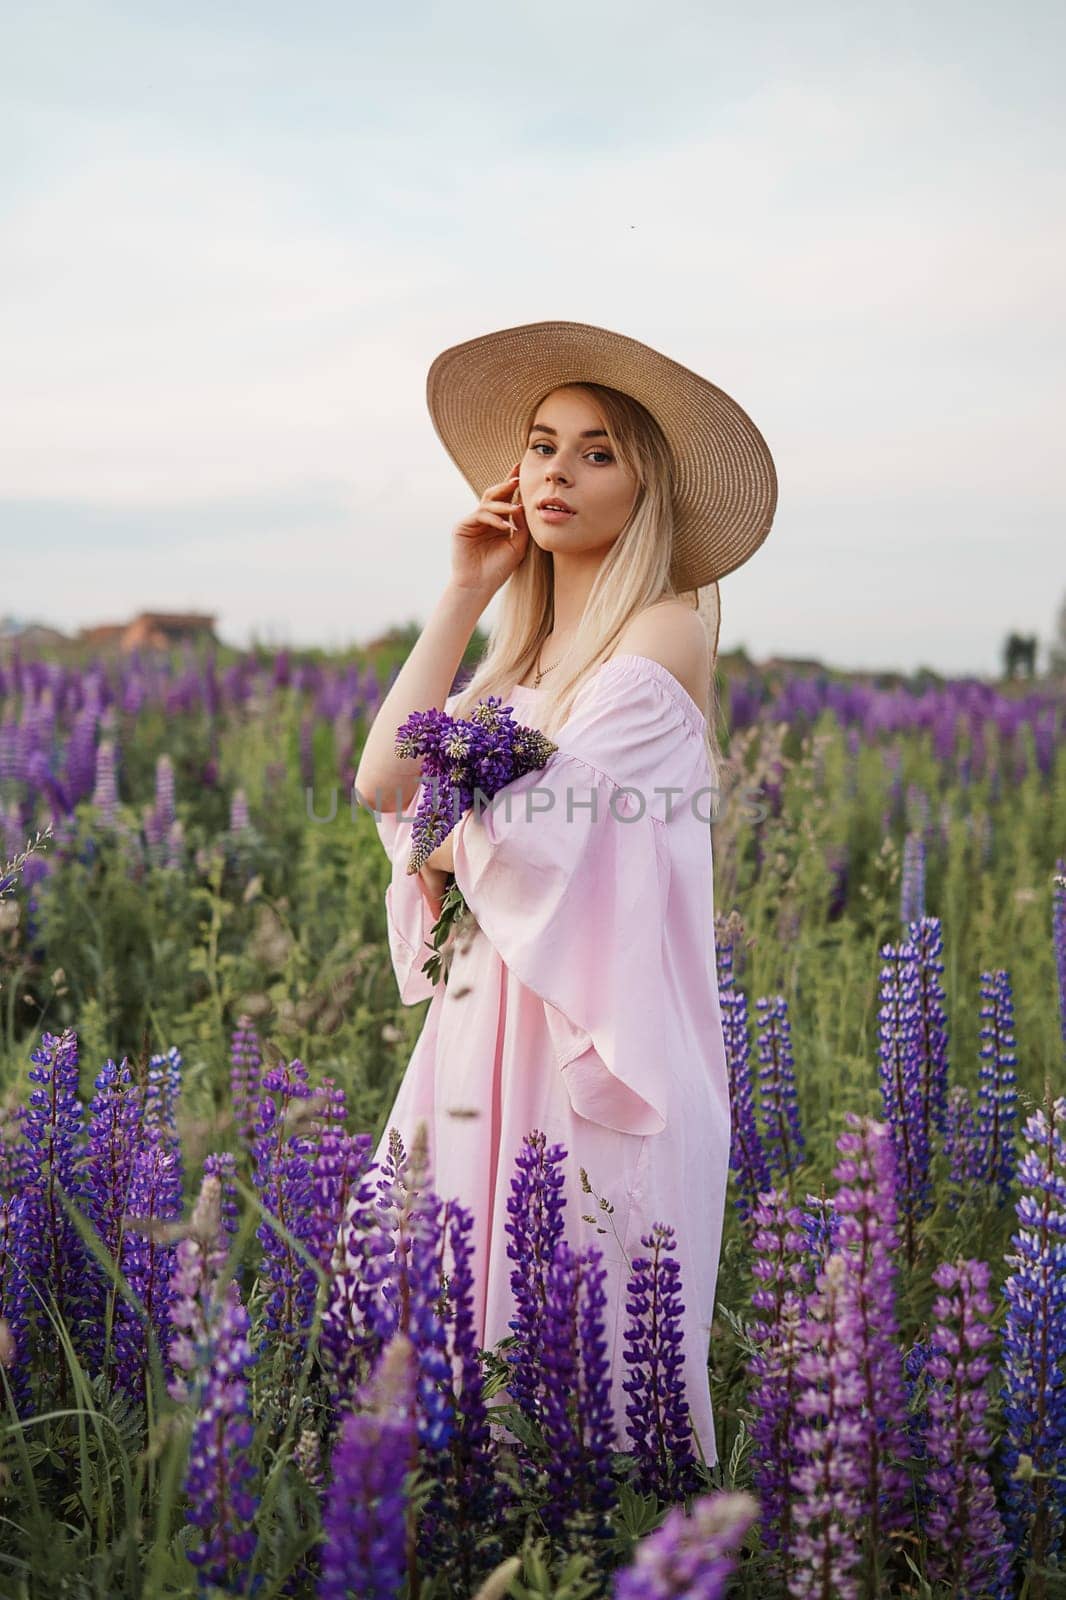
(462, 757)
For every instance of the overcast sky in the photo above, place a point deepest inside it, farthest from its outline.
(233, 239)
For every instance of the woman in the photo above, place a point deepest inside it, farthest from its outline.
(586, 1002)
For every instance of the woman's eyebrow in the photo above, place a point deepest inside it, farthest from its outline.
(589, 433)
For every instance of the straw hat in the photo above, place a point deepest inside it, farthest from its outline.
(480, 393)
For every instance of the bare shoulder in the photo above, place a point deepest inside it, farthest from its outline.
(673, 634)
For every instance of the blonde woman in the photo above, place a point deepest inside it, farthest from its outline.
(620, 485)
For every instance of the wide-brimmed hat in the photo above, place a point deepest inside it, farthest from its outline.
(479, 395)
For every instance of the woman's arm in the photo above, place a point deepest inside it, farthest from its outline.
(385, 781)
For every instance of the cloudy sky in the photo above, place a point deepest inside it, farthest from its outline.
(232, 240)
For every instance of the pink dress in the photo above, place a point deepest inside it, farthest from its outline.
(586, 1004)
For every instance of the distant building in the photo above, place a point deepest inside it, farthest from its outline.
(30, 636)
(153, 630)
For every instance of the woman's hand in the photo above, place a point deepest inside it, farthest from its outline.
(492, 541)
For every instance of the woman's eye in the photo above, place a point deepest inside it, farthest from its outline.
(606, 454)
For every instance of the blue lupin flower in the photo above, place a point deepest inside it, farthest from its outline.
(784, 1142)
(147, 1259)
(926, 935)
(997, 1093)
(534, 1227)
(902, 1083)
(113, 1126)
(282, 1175)
(364, 1551)
(466, 1501)
(50, 1254)
(1034, 1345)
(747, 1157)
(660, 1424)
(577, 1418)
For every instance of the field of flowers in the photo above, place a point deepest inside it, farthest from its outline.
(237, 1358)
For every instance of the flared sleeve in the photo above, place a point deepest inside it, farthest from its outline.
(567, 872)
(409, 920)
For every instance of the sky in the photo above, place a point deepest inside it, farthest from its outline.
(233, 239)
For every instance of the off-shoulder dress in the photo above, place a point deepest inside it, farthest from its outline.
(586, 1004)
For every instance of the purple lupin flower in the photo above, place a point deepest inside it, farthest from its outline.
(113, 1126)
(464, 760)
(997, 1093)
(868, 1240)
(689, 1557)
(50, 1253)
(577, 1418)
(364, 1552)
(926, 936)
(1058, 937)
(467, 1501)
(968, 1551)
(339, 1163)
(902, 1086)
(147, 1259)
(246, 1062)
(282, 1176)
(15, 1299)
(827, 1479)
(783, 1267)
(214, 1354)
(960, 1144)
(1034, 1344)
(912, 891)
(659, 1425)
(534, 1226)
(351, 1336)
(747, 1157)
(785, 1145)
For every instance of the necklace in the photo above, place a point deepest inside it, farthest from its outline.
(538, 674)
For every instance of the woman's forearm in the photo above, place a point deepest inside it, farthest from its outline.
(384, 780)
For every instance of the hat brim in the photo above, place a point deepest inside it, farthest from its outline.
(480, 393)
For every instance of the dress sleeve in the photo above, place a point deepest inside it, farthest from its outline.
(567, 872)
(408, 917)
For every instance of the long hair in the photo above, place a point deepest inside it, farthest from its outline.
(634, 574)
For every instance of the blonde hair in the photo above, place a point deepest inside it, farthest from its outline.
(634, 574)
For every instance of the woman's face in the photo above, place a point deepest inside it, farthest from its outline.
(560, 464)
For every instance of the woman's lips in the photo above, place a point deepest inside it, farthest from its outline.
(554, 516)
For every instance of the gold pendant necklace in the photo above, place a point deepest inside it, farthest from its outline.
(538, 674)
